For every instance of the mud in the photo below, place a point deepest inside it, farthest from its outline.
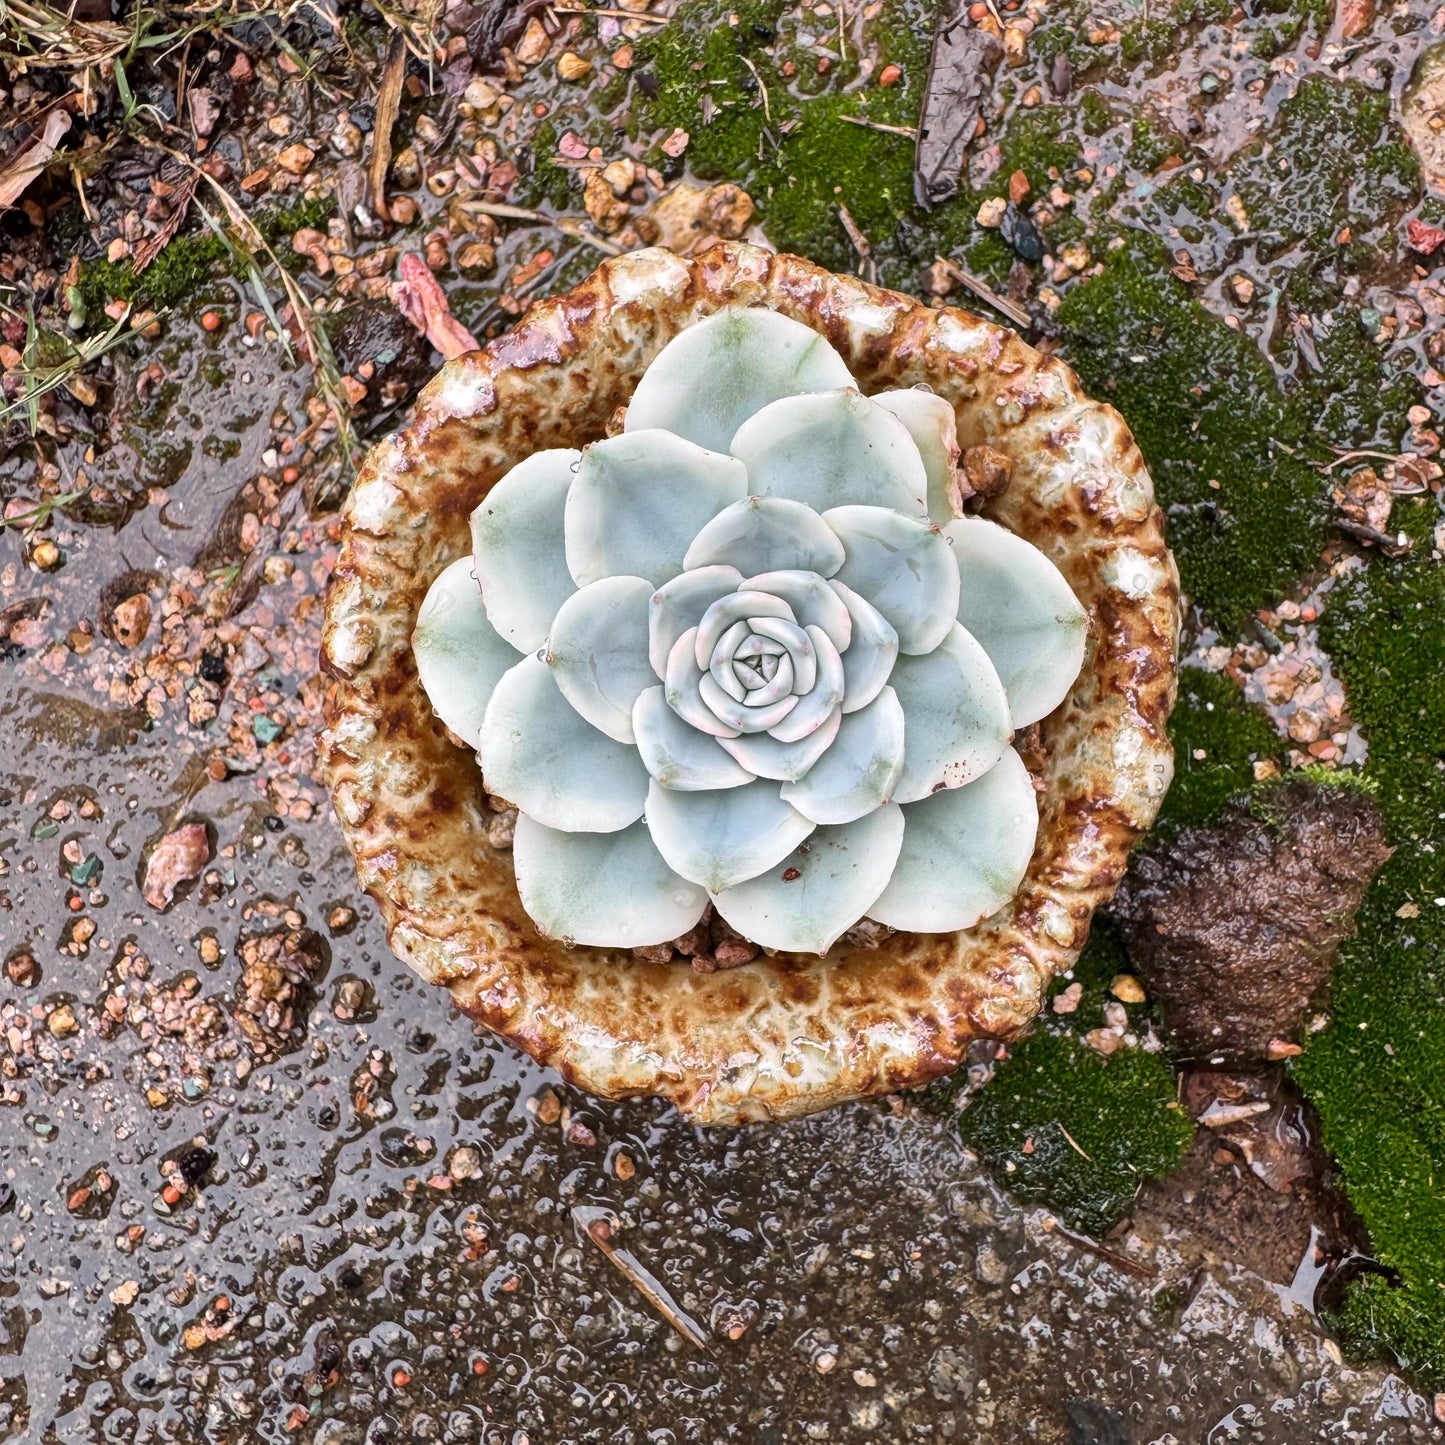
(1236, 927)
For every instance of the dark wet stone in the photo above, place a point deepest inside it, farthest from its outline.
(1021, 234)
(1093, 1424)
(213, 665)
(1235, 927)
(376, 332)
(195, 1164)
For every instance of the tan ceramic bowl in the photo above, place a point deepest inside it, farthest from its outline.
(788, 1034)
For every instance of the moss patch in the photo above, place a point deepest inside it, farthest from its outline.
(801, 158)
(1377, 1074)
(1056, 1101)
(189, 263)
(1213, 718)
(1333, 157)
(1228, 449)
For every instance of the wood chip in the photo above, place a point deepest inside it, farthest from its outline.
(388, 105)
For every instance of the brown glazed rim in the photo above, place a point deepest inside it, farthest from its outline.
(787, 1034)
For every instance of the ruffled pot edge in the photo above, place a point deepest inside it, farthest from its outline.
(789, 1034)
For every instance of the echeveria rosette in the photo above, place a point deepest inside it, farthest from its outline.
(745, 652)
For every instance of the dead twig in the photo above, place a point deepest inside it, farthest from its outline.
(613, 14)
(388, 107)
(911, 131)
(1073, 1143)
(762, 89)
(861, 244)
(568, 225)
(1119, 1261)
(598, 1225)
(1001, 304)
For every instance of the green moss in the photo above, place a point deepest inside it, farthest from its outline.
(1151, 144)
(1095, 112)
(1377, 1074)
(1212, 718)
(1118, 1111)
(1205, 407)
(1343, 160)
(189, 263)
(1038, 142)
(801, 160)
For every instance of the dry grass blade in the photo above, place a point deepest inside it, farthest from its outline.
(568, 225)
(36, 517)
(38, 379)
(40, 36)
(32, 157)
(318, 348)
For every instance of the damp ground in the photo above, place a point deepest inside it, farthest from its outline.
(256, 1181)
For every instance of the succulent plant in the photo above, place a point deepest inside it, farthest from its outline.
(745, 652)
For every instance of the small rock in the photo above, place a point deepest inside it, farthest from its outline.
(573, 67)
(21, 969)
(1354, 17)
(689, 218)
(990, 1266)
(549, 1106)
(477, 256)
(347, 140)
(1236, 926)
(1020, 233)
(465, 1163)
(62, 1022)
(991, 213)
(179, 856)
(296, 158)
(276, 990)
(125, 1294)
(1104, 1041)
(675, 143)
(986, 473)
(607, 212)
(1422, 239)
(1242, 287)
(620, 176)
(45, 555)
(1234, 209)
(1126, 988)
(131, 620)
(1067, 1002)
(890, 75)
(533, 45)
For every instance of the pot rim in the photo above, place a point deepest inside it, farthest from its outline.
(788, 1034)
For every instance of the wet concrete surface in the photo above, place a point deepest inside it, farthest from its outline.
(356, 1222)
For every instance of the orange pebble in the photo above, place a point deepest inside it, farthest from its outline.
(210, 320)
(890, 75)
